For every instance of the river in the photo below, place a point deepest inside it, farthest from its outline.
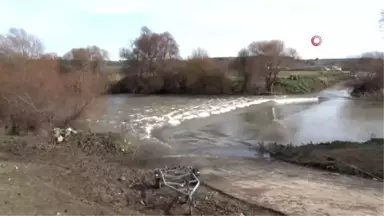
(229, 126)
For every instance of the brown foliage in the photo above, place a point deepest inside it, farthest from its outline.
(263, 60)
(32, 91)
(369, 69)
(152, 65)
(148, 57)
(35, 94)
(203, 74)
(91, 58)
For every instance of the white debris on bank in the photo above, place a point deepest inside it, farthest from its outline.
(59, 134)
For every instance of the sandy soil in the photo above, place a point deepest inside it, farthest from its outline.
(295, 190)
(89, 175)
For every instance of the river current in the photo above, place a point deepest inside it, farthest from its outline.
(230, 126)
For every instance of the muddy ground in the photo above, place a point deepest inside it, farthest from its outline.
(90, 174)
(361, 159)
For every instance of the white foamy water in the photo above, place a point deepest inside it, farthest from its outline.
(231, 125)
(142, 119)
(345, 93)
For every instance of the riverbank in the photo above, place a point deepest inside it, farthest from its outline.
(287, 82)
(91, 174)
(362, 159)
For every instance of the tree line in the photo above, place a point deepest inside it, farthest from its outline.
(152, 64)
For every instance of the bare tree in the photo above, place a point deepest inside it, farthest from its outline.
(150, 50)
(242, 60)
(242, 64)
(371, 81)
(90, 53)
(292, 52)
(32, 92)
(90, 58)
(19, 43)
(149, 54)
(199, 53)
(273, 48)
(272, 56)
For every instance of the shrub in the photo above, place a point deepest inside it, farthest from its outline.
(33, 92)
(203, 75)
(147, 59)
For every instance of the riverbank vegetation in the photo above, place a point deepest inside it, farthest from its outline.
(371, 84)
(152, 64)
(39, 89)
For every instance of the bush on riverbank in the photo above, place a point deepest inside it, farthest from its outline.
(369, 76)
(362, 159)
(370, 88)
(34, 91)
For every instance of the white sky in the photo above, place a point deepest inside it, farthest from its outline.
(221, 27)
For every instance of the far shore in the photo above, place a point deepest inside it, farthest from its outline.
(287, 82)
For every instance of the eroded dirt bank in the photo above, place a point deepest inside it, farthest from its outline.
(89, 174)
(362, 159)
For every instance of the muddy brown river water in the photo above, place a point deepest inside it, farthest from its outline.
(229, 126)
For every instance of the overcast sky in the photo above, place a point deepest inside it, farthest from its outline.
(222, 27)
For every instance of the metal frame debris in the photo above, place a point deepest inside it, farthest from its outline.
(183, 180)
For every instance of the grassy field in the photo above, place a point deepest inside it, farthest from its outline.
(298, 82)
(284, 74)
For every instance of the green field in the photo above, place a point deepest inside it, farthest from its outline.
(284, 74)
